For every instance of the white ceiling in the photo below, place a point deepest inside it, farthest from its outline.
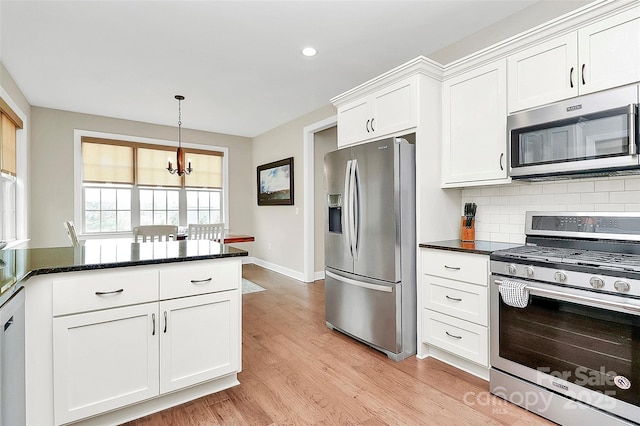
(238, 63)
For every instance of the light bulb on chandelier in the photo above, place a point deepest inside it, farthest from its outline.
(180, 169)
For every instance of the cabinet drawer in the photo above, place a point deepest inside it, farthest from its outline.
(462, 300)
(462, 338)
(90, 291)
(472, 268)
(189, 280)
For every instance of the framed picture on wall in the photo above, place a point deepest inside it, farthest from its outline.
(275, 183)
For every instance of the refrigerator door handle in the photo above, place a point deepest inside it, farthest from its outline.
(359, 283)
(356, 210)
(352, 208)
(346, 205)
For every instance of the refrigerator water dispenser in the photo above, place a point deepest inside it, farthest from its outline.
(335, 213)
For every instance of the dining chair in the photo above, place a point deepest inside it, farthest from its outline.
(154, 232)
(209, 231)
(71, 232)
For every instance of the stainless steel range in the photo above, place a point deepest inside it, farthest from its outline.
(565, 318)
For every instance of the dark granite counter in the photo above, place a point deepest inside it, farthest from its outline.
(19, 264)
(479, 247)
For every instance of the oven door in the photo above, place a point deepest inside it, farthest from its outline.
(577, 343)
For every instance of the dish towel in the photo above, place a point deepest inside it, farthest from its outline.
(514, 293)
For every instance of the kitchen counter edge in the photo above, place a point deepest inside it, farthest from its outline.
(44, 264)
(477, 247)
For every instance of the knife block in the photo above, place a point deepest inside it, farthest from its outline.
(467, 233)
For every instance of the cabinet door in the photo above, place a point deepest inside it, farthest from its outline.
(610, 52)
(354, 120)
(395, 108)
(387, 111)
(474, 126)
(545, 73)
(104, 360)
(200, 339)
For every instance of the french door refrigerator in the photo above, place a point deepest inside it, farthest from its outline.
(370, 245)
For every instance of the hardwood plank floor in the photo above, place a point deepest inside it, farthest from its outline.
(297, 371)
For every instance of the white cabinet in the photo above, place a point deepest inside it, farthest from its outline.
(474, 114)
(199, 339)
(386, 111)
(454, 309)
(599, 56)
(122, 337)
(104, 360)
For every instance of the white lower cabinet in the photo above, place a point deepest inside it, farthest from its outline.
(199, 339)
(104, 360)
(454, 309)
(187, 333)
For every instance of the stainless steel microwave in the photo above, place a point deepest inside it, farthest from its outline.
(595, 134)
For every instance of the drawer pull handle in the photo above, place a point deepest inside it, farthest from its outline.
(106, 293)
(201, 281)
(153, 321)
(452, 335)
(455, 299)
(165, 321)
(453, 268)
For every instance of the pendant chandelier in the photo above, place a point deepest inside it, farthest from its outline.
(180, 169)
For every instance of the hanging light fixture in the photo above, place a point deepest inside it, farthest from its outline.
(180, 170)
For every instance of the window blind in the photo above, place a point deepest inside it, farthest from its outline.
(151, 166)
(207, 170)
(117, 161)
(8, 145)
(107, 163)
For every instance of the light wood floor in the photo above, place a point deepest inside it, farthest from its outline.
(296, 371)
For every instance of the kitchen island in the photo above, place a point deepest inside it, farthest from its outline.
(117, 330)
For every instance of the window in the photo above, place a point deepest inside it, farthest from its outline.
(204, 206)
(126, 184)
(10, 123)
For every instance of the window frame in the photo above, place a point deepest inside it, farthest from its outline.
(78, 178)
(21, 184)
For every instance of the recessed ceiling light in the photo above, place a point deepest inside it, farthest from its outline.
(309, 51)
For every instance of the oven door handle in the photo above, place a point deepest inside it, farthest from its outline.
(574, 297)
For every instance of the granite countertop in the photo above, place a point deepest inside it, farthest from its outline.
(479, 247)
(19, 264)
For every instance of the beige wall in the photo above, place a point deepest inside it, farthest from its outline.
(323, 142)
(279, 229)
(528, 18)
(52, 173)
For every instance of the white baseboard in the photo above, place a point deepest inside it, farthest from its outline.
(279, 269)
(317, 275)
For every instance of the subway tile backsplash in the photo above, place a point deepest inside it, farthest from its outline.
(501, 209)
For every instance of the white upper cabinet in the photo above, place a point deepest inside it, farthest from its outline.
(599, 56)
(609, 52)
(474, 113)
(544, 73)
(388, 110)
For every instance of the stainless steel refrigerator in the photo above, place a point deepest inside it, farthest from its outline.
(370, 245)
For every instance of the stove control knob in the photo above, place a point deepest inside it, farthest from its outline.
(622, 286)
(528, 270)
(511, 269)
(596, 282)
(560, 276)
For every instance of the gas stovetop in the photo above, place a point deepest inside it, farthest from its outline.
(559, 255)
(600, 260)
